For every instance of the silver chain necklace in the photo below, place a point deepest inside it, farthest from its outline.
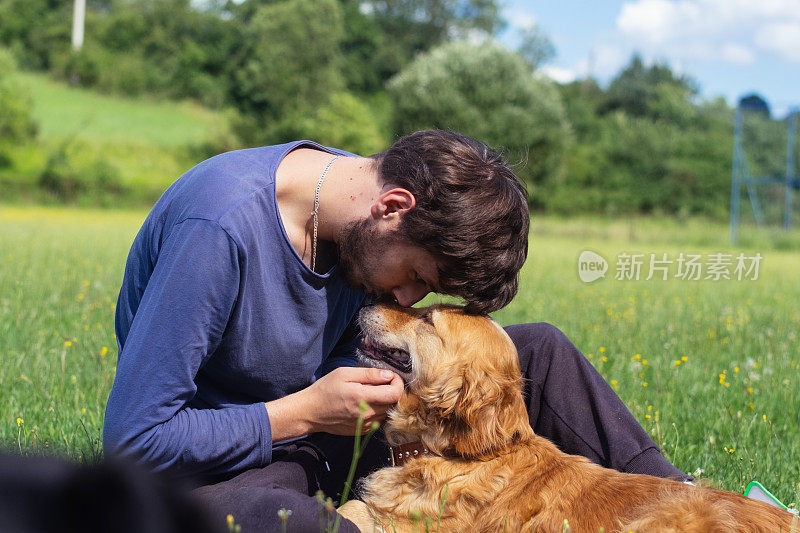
(314, 212)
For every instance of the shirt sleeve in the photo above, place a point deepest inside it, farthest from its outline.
(179, 324)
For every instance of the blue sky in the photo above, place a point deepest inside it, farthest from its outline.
(729, 47)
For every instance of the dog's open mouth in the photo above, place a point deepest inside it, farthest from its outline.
(399, 359)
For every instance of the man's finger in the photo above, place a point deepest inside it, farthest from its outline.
(387, 394)
(369, 376)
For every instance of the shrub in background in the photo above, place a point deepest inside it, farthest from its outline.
(16, 108)
(17, 125)
(72, 176)
(348, 123)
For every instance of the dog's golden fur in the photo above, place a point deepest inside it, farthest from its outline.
(463, 400)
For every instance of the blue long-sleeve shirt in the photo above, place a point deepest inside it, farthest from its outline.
(217, 314)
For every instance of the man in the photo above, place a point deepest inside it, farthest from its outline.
(235, 317)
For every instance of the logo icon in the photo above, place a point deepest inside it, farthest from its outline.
(591, 266)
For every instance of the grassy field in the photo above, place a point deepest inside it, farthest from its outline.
(710, 368)
(148, 143)
(62, 111)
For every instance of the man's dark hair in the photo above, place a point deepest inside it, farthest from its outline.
(471, 213)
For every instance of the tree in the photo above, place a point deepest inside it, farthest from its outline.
(383, 36)
(487, 92)
(35, 30)
(289, 68)
(636, 89)
(536, 47)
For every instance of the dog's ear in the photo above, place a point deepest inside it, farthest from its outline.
(443, 394)
(486, 415)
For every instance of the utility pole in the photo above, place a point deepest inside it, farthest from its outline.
(78, 17)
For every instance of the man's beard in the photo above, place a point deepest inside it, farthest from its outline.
(360, 247)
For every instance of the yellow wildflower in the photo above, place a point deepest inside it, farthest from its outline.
(684, 358)
(67, 344)
(602, 349)
(103, 351)
(644, 384)
(20, 421)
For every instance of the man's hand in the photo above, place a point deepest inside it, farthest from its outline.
(331, 403)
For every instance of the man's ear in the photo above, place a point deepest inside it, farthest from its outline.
(393, 202)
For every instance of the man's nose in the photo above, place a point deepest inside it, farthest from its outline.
(408, 296)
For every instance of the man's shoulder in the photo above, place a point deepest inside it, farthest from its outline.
(228, 176)
(226, 182)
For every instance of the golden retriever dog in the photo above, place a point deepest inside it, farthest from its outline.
(480, 467)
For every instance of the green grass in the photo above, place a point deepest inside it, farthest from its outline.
(60, 270)
(148, 142)
(63, 111)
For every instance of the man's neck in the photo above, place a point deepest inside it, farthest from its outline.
(347, 192)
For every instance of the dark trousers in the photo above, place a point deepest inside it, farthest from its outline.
(568, 402)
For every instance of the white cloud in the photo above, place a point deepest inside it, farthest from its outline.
(602, 62)
(656, 21)
(558, 74)
(729, 30)
(781, 38)
(736, 53)
(519, 18)
(608, 58)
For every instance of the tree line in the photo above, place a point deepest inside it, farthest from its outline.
(358, 73)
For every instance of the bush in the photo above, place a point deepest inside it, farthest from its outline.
(66, 179)
(222, 140)
(347, 123)
(119, 73)
(16, 108)
(35, 29)
(84, 66)
(487, 92)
